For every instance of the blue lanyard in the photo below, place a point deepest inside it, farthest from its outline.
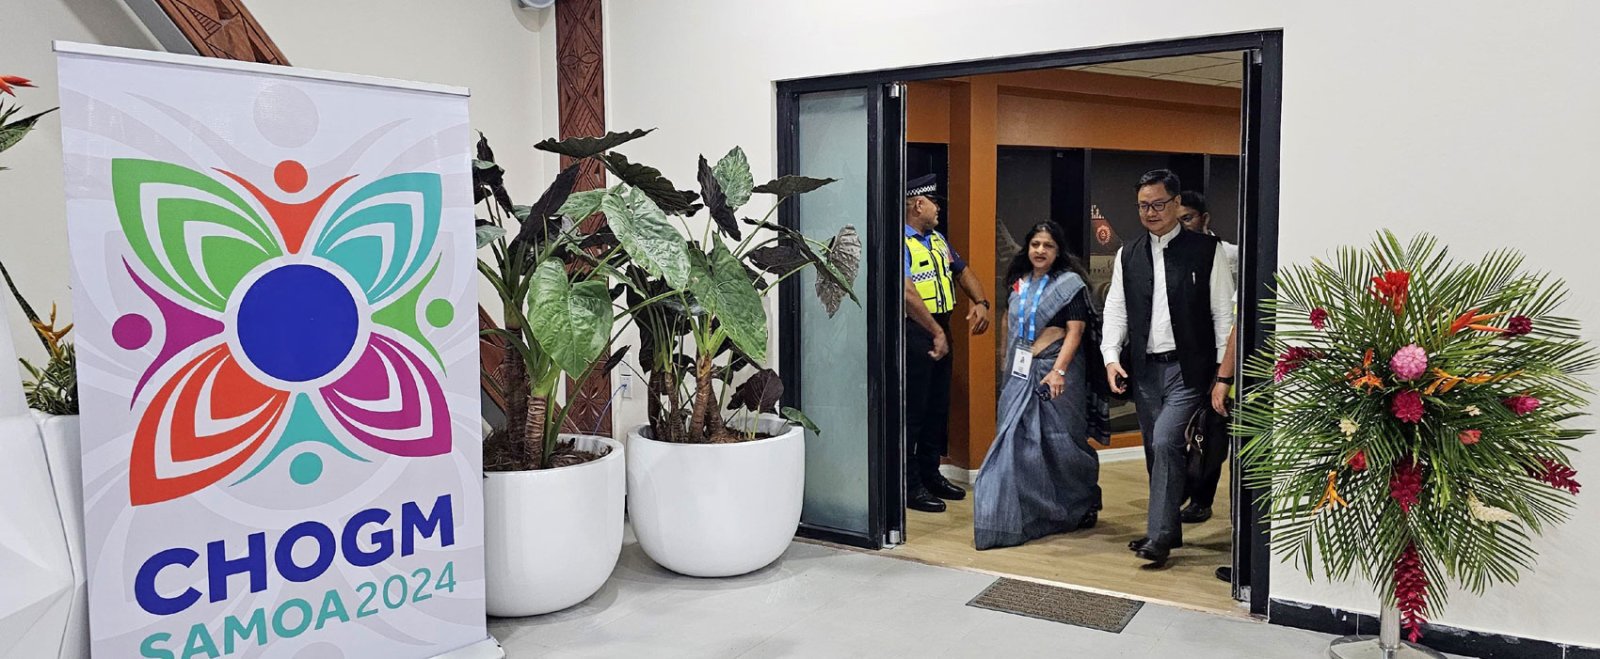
(1031, 309)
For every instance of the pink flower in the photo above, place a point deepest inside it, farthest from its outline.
(1358, 461)
(1409, 363)
(1319, 317)
(1520, 404)
(1518, 326)
(1470, 437)
(1407, 406)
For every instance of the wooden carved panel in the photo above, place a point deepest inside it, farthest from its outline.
(580, 81)
(222, 29)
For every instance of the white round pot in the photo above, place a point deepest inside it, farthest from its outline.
(717, 510)
(63, 449)
(552, 536)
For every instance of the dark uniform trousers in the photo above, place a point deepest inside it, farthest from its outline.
(927, 401)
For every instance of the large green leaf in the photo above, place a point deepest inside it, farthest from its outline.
(572, 322)
(540, 218)
(717, 201)
(583, 147)
(581, 205)
(645, 234)
(844, 258)
(733, 172)
(488, 233)
(788, 186)
(721, 284)
(649, 180)
(799, 417)
(12, 133)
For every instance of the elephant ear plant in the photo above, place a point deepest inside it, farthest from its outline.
(698, 302)
(557, 313)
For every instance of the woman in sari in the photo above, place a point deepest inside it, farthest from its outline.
(1041, 476)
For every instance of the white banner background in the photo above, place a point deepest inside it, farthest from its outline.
(250, 121)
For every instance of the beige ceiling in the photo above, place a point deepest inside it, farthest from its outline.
(1219, 69)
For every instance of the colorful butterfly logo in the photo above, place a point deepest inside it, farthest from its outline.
(290, 339)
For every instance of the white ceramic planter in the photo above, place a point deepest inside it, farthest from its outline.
(552, 537)
(64, 452)
(717, 510)
(37, 599)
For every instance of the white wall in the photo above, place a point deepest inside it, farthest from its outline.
(505, 55)
(1472, 121)
(33, 233)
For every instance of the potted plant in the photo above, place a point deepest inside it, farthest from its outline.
(47, 495)
(553, 502)
(1411, 425)
(710, 495)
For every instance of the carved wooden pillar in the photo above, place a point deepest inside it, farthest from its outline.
(223, 29)
(580, 81)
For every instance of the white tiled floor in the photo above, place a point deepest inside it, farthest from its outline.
(823, 602)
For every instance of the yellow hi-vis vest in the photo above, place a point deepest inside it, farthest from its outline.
(930, 272)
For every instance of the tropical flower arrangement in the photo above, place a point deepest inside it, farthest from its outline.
(52, 388)
(1411, 422)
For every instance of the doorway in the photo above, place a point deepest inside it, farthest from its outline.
(854, 128)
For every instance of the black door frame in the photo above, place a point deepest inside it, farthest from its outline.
(1258, 243)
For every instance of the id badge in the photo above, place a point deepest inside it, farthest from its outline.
(1021, 364)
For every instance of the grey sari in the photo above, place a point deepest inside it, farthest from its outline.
(1041, 476)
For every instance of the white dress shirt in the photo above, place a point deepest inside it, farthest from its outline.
(1115, 331)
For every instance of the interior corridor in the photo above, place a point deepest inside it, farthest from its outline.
(1097, 558)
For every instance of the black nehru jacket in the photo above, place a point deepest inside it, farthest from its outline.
(1188, 262)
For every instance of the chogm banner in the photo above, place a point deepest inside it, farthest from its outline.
(274, 289)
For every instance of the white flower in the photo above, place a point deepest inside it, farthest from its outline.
(1486, 513)
(1472, 410)
(1348, 427)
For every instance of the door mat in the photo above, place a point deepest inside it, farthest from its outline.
(1057, 604)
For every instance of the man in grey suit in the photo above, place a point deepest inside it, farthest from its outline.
(1167, 317)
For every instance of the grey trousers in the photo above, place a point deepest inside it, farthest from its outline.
(1164, 404)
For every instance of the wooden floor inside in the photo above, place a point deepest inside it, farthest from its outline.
(1096, 558)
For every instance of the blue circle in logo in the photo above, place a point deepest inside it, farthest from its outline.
(297, 323)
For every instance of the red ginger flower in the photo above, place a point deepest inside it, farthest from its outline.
(1407, 406)
(1405, 484)
(1391, 289)
(1358, 461)
(7, 82)
(1558, 475)
(1319, 317)
(1290, 360)
(1521, 404)
(1411, 592)
(1470, 437)
(1518, 326)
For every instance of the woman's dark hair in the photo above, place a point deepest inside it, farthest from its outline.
(1021, 265)
(1194, 200)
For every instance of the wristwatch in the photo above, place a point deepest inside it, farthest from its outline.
(1225, 379)
(985, 304)
(1061, 373)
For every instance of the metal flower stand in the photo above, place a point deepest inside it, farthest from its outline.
(1386, 645)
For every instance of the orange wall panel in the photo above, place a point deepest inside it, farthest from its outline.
(928, 112)
(1049, 122)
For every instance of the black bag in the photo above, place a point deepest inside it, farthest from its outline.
(1205, 442)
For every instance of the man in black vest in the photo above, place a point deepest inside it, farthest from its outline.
(1166, 317)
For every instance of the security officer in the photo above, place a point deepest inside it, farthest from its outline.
(932, 269)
